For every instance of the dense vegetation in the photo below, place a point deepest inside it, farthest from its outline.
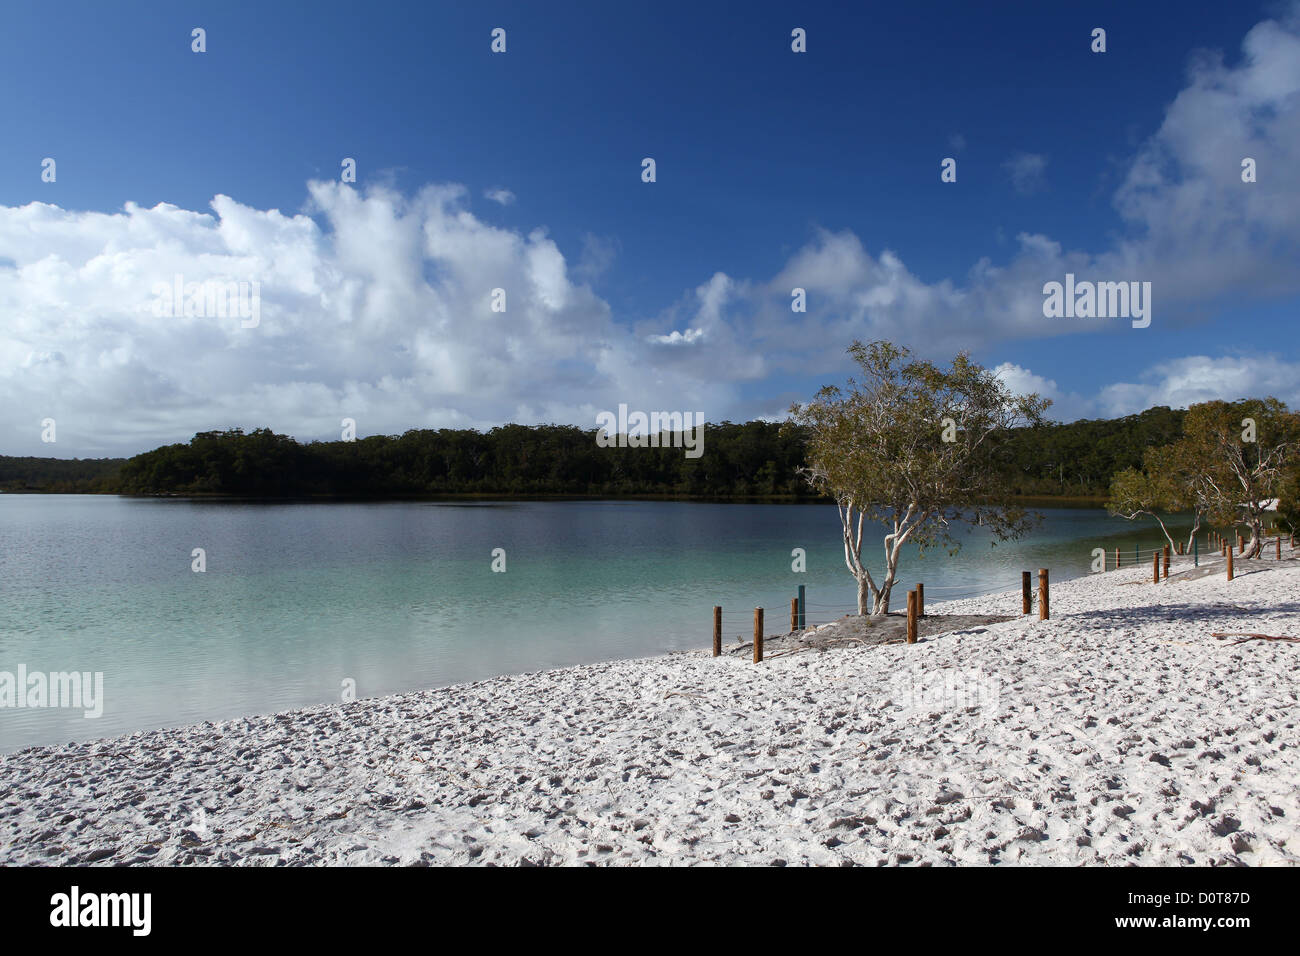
(1079, 459)
(752, 459)
(1232, 461)
(738, 460)
(82, 475)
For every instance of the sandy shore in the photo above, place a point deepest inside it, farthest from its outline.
(1118, 732)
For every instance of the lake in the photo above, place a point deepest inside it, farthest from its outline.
(299, 598)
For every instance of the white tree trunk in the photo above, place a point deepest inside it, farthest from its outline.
(1256, 543)
(1164, 530)
(864, 595)
(881, 605)
(853, 531)
(894, 542)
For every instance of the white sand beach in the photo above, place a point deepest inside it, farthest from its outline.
(1119, 732)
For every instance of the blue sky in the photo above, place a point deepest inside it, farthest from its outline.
(774, 169)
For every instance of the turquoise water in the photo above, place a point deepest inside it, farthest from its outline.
(398, 596)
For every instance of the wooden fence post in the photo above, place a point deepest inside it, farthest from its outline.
(1229, 564)
(758, 635)
(1155, 567)
(1166, 561)
(1241, 543)
(920, 599)
(911, 617)
(1042, 594)
(1026, 594)
(794, 614)
(1117, 558)
(1279, 547)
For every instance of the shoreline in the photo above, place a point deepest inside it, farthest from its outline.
(1031, 501)
(1117, 732)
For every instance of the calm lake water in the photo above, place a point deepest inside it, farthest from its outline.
(399, 596)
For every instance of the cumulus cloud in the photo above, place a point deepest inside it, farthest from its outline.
(1202, 238)
(500, 195)
(1022, 381)
(1176, 383)
(1199, 378)
(1197, 229)
(382, 313)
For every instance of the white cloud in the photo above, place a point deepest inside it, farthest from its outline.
(1022, 381)
(499, 194)
(689, 337)
(1176, 383)
(1203, 239)
(1199, 378)
(383, 314)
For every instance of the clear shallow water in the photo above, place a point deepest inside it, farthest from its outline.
(399, 596)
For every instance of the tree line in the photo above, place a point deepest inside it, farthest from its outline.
(60, 475)
(753, 459)
(740, 460)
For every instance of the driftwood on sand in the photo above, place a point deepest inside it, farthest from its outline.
(1245, 636)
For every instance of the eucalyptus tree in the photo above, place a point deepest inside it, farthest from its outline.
(1169, 481)
(912, 446)
(1239, 451)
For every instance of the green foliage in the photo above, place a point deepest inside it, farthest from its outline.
(1080, 458)
(1241, 468)
(73, 475)
(1288, 506)
(1229, 461)
(754, 459)
(908, 446)
(879, 442)
(1163, 486)
(749, 460)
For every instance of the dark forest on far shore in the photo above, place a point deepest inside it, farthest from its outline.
(751, 460)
